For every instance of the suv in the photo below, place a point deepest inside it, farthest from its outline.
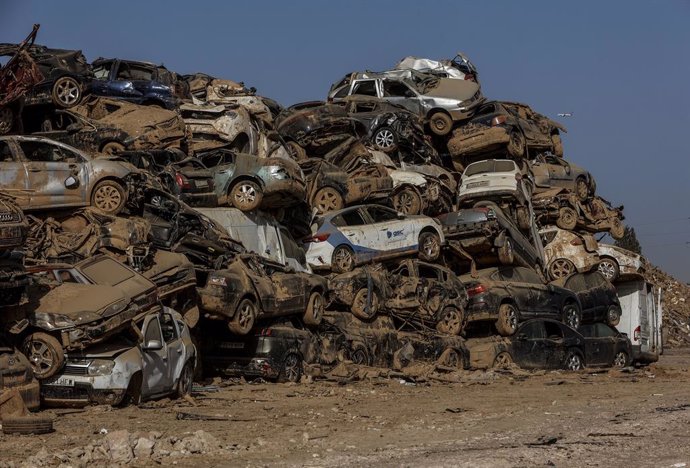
(567, 252)
(597, 296)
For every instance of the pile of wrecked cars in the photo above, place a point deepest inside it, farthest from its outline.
(154, 225)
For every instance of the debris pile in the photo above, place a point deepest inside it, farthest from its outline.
(675, 303)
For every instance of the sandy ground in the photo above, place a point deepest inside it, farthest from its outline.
(589, 418)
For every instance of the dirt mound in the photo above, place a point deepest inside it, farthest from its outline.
(675, 301)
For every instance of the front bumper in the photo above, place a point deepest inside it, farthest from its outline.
(82, 390)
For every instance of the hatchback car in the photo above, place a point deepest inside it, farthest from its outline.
(605, 346)
(567, 252)
(41, 173)
(619, 263)
(346, 238)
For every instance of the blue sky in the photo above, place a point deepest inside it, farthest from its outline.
(621, 67)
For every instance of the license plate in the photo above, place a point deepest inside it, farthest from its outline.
(201, 183)
(60, 382)
(483, 183)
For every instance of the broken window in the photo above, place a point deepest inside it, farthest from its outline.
(5, 152)
(553, 331)
(134, 72)
(153, 331)
(365, 88)
(38, 151)
(396, 89)
(292, 250)
(102, 70)
(168, 328)
(428, 272)
(352, 218)
(342, 92)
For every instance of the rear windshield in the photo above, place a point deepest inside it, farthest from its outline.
(489, 166)
(107, 272)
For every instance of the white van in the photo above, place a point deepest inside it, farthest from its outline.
(641, 318)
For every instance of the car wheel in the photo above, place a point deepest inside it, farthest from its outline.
(524, 220)
(407, 201)
(246, 195)
(185, 382)
(620, 359)
(507, 320)
(112, 147)
(567, 218)
(66, 92)
(503, 360)
(385, 139)
(573, 361)
(560, 268)
(314, 313)
(557, 145)
(450, 358)
(608, 267)
(327, 199)
(440, 123)
(613, 315)
(506, 255)
(292, 369)
(516, 145)
(571, 315)
(6, 120)
(359, 355)
(243, 320)
(343, 259)
(450, 322)
(617, 229)
(429, 246)
(27, 424)
(582, 189)
(109, 197)
(296, 151)
(45, 354)
(359, 304)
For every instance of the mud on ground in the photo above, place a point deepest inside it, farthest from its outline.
(511, 418)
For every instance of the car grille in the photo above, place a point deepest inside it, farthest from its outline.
(9, 217)
(76, 370)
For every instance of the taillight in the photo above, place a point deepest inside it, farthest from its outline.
(498, 120)
(317, 238)
(182, 181)
(636, 334)
(265, 332)
(475, 290)
(576, 241)
(518, 176)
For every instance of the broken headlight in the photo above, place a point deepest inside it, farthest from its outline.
(52, 321)
(217, 281)
(101, 367)
(278, 172)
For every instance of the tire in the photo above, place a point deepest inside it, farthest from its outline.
(450, 322)
(360, 356)
(502, 360)
(45, 354)
(609, 268)
(617, 229)
(343, 259)
(243, 320)
(429, 246)
(560, 268)
(385, 139)
(506, 255)
(573, 361)
(567, 218)
(291, 371)
(327, 199)
(133, 395)
(66, 92)
(112, 147)
(109, 197)
(508, 318)
(557, 144)
(185, 382)
(296, 151)
(517, 144)
(450, 358)
(582, 189)
(571, 315)
(407, 201)
(359, 304)
(245, 195)
(27, 425)
(6, 120)
(315, 308)
(620, 359)
(613, 315)
(523, 218)
(440, 123)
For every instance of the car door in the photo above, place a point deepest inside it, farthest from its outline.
(13, 174)
(122, 83)
(578, 285)
(528, 345)
(559, 171)
(102, 73)
(175, 348)
(518, 290)
(398, 92)
(539, 293)
(363, 111)
(392, 233)
(607, 338)
(362, 236)
(257, 272)
(155, 360)
(592, 344)
(554, 345)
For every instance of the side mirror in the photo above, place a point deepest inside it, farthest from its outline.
(71, 182)
(153, 345)
(74, 127)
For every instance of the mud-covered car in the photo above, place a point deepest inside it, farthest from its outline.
(276, 352)
(549, 171)
(90, 302)
(251, 288)
(459, 67)
(363, 290)
(598, 299)
(41, 173)
(513, 126)
(536, 344)
(567, 252)
(605, 346)
(16, 373)
(247, 182)
(509, 295)
(156, 360)
(218, 126)
(346, 238)
(13, 232)
(427, 295)
(618, 263)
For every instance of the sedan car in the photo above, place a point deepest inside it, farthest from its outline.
(605, 346)
(128, 370)
(346, 238)
(41, 173)
(567, 252)
(597, 296)
(510, 295)
(619, 263)
(550, 171)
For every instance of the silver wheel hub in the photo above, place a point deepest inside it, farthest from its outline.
(384, 139)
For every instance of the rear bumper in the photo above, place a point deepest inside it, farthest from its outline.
(215, 301)
(200, 199)
(85, 390)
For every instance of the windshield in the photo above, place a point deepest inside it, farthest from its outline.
(489, 166)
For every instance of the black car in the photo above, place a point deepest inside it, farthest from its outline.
(598, 298)
(508, 295)
(536, 344)
(605, 346)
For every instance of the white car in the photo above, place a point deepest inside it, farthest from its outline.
(346, 238)
(617, 262)
(566, 252)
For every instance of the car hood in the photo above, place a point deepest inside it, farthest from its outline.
(109, 349)
(75, 300)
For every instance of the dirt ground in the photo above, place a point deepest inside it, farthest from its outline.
(592, 418)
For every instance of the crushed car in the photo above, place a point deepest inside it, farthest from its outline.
(459, 67)
(549, 171)
(568, 252)
(363, 290)
(618, 263)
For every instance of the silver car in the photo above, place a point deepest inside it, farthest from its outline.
(124, 369)
(42, 173)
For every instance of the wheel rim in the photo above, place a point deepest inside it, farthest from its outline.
(384, 139)
(511, 319)
(343, 259)
(502, 360)
(360, 304)
(5, 120)
(568, 217)
(561, 268)
(40, 356)
(406, 202)
(327, 200)
(516, 140)
(359, 356)
(67, 92)
(430, 246)
(607, 269)
(451, 322)
(582, 189)
(245, 195)
(317, 307)
(620, 360)
(187, 380)
(439, 124)
(245, 318)
(574, 362)
(292, 368)
(571, 317)
(107, 198)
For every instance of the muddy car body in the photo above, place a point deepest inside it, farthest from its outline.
(41, 173)
(549, 171)
(567, 252)
(619, 263)
(537, 344)
(597, 296)
(363, 290)
(513, 126)
(508, 295)
(126, 369)
(605, 346)
(13, 232)
(16, 373)
(247, 182)
(459, 67)
(216, 126)
(346, 238)
(251, 288)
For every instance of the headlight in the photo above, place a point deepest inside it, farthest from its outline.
(217, 280)
(278, 172)
(49, 321)
(101, 367)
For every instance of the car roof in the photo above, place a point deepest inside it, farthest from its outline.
(332, 214)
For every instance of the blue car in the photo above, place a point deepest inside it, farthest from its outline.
(346, 238)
